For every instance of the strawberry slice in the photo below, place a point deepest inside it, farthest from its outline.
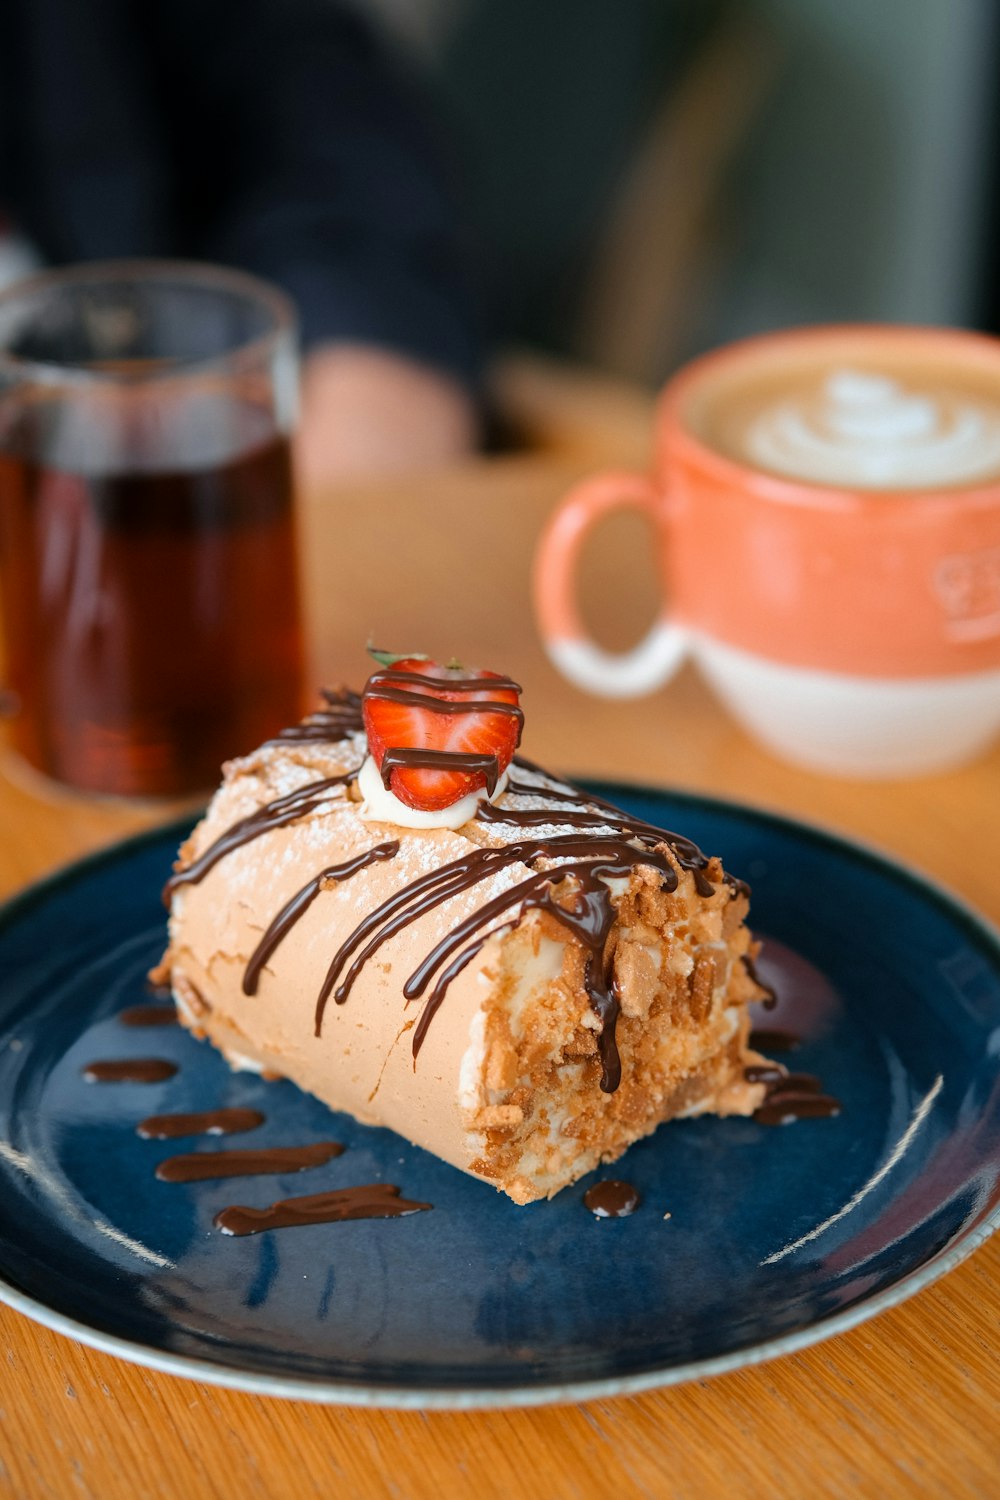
(438, 732)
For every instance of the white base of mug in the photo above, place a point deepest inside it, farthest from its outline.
(856, 726)
(628, 674)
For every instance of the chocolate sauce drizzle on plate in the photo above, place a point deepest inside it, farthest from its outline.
(764, 1073)
(207, 1122)
(129, 1070)
(796, 1096)
(376, 1200)
(773, 1039)
(148, 1015)
(208, 1166)
(612, 1199)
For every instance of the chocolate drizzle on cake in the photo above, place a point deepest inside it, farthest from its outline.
(300, 903)
(208, 1166)
(287, 809)
(376, 1200)
(340, 719)
(584, 905)
(770, 999)
(392, 686)
(568, 877)
(410, 758)
(330, 725)
(447, 706)
(572, 886)
(687, 854)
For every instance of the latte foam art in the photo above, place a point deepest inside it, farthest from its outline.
(866, 429)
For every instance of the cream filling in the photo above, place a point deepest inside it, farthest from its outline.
(379, 805)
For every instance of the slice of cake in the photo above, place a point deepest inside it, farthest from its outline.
(388, 907)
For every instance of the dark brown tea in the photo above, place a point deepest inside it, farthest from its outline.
(151, 615)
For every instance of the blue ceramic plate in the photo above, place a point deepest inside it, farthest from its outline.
(776, 1237)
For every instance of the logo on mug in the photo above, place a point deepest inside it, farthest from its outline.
(968, 586)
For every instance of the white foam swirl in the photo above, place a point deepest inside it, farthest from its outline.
(865, 429)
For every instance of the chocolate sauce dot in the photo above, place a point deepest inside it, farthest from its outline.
(612, 1199)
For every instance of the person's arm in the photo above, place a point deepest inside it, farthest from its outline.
(270, 134)
(367, 410)
(304, 155)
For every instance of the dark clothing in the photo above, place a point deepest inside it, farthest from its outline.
(273, 135)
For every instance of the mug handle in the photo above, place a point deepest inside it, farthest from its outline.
(609, 674)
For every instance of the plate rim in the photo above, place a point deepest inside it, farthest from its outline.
(340, 1392)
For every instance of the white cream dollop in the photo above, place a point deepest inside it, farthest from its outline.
(863, 428)
(379, 805)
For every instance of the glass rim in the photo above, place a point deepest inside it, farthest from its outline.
(139, 269)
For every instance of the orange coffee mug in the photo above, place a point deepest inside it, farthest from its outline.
(826, 503)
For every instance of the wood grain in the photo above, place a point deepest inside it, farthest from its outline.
(905, 1405)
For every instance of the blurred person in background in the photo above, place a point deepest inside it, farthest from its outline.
(272, 135)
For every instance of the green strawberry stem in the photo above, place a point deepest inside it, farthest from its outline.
(390, 658)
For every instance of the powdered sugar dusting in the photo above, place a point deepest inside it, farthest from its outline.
(271, 867)
(498, 833)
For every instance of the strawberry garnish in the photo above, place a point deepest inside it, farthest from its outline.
(437, 733)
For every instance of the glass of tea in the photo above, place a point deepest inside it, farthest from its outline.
(148, 578)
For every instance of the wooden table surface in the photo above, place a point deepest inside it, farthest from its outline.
(904, 1405)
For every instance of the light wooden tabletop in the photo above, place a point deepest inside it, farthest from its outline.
(904, 1405)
